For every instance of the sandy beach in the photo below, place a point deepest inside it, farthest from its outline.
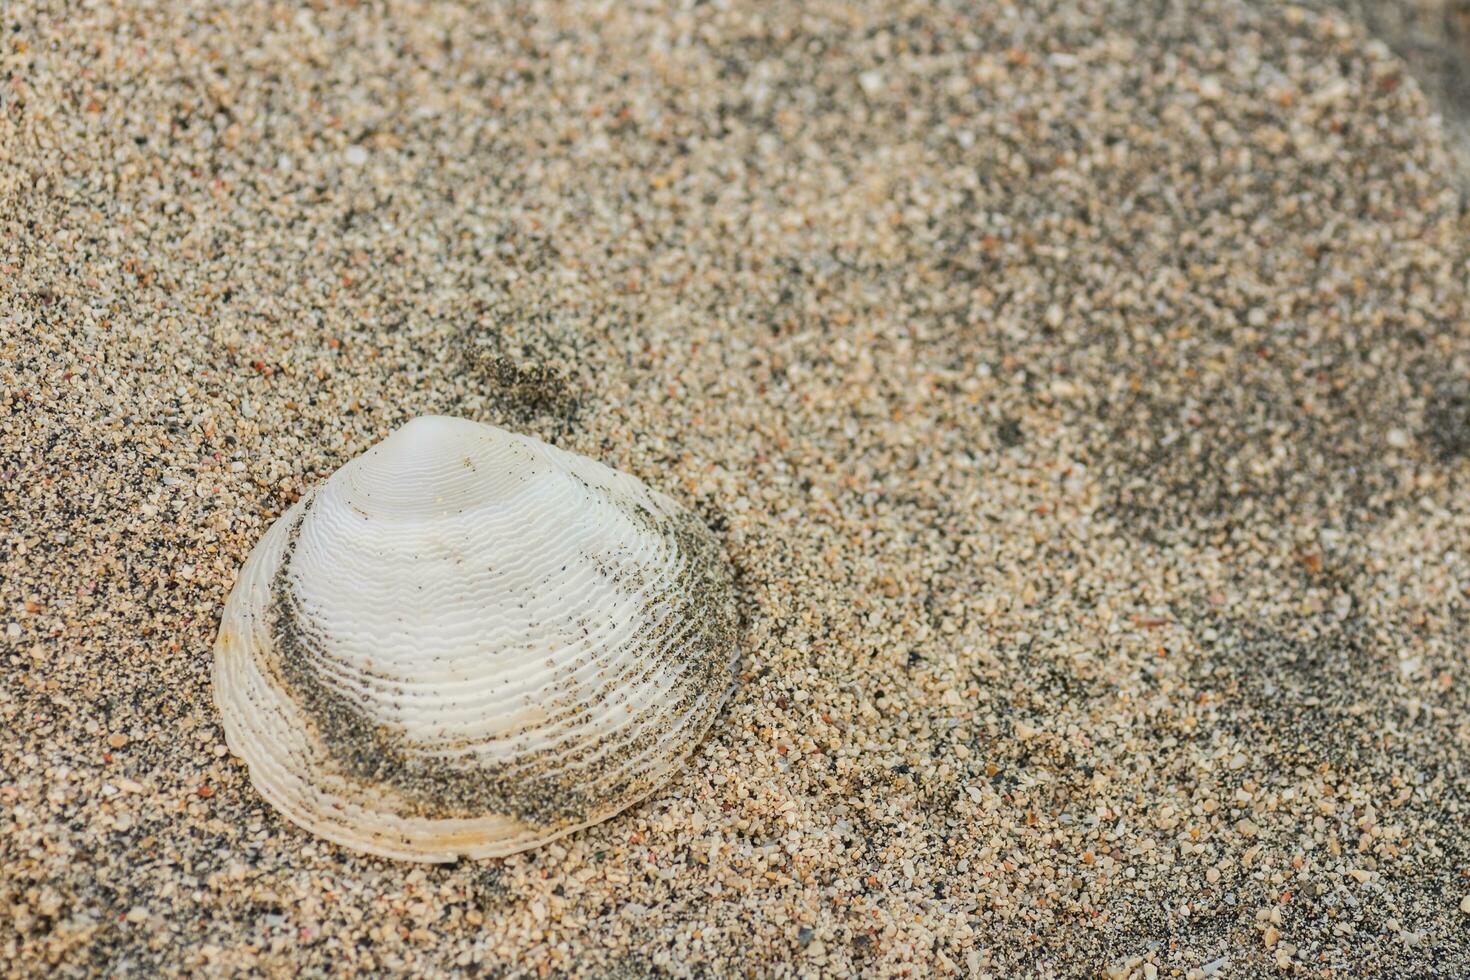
(1080, 389)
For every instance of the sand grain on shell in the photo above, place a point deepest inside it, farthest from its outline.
(1070, 383)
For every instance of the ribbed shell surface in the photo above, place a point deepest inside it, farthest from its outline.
(467, 642)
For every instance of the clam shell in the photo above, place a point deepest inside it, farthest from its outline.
(467, 642)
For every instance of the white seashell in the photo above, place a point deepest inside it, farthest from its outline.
(467, 642)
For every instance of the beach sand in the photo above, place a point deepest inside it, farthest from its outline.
(1433, 38)
(1081, 391)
